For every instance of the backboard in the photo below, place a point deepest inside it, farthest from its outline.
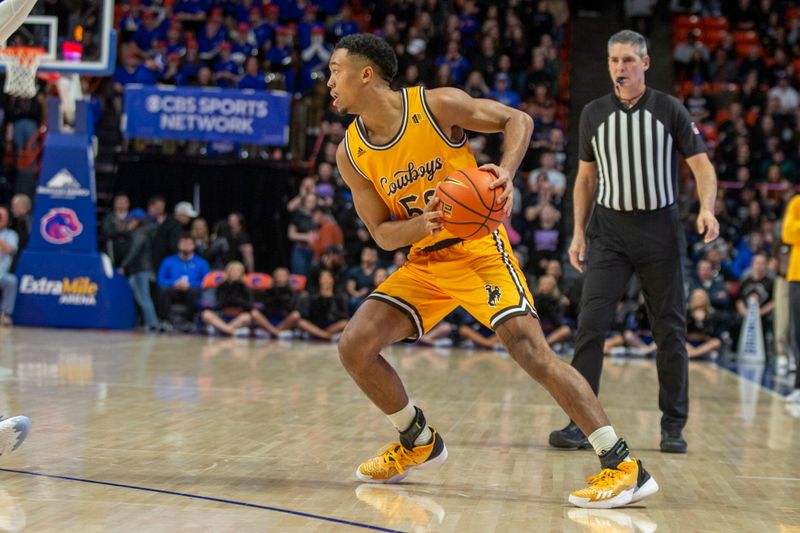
(78, 36)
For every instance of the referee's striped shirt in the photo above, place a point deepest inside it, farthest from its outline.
(635, 149)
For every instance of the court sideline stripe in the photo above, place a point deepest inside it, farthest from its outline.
(207, 498)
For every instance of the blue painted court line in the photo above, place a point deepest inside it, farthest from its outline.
(207, 498)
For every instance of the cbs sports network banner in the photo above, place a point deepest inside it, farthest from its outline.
(207, 114)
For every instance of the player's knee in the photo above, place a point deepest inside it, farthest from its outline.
(351, 346)
(535, 357)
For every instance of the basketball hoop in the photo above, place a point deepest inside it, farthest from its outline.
(21, 63)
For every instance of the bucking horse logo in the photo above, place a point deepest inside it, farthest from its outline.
(494, 294)
(60, 225)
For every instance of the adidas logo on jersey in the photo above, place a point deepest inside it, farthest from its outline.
(416, 118)
(360, 152)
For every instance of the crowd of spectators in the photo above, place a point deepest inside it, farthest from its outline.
(227, 44)
(168, 256)
(187, 279)
(514, 53)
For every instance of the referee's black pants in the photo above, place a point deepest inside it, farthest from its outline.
(653, 246)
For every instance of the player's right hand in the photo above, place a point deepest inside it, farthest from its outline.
(432, 216)
(577, 252)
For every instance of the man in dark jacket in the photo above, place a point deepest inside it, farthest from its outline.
(138, 267)
(168, 229)
(115, 235)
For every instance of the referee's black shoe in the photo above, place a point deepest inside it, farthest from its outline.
(569, 438)
(672, 441)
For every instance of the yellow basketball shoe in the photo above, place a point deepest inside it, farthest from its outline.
(625, 483)
(393, 464)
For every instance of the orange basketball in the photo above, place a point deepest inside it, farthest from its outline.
(470, 207)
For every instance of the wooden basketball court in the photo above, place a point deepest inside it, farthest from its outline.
(182, 433)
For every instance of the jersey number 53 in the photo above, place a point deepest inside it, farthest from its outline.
(408, 201)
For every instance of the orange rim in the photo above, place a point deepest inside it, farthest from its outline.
(24, 55)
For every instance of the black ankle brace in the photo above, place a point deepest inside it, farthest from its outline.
(613, 457)
(408, 436)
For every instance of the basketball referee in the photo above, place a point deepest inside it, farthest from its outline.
(628, 170)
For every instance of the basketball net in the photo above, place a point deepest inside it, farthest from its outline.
(21, 63)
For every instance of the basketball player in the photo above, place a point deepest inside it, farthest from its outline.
(399, 147)
(12, 14)
(791, 235)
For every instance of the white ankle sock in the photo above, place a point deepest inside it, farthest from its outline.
(603, 439)
(403, 419)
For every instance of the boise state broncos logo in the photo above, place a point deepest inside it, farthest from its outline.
(60, 225)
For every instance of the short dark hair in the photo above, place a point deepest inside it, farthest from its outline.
(636, 40)
(375, 50)
(186, 235)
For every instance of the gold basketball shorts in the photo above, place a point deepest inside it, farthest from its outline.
(480, 275)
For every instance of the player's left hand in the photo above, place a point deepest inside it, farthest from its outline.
(506, 180)
(707, 225)
(432, 215)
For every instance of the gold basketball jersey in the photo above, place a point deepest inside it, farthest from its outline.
(406, 170)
